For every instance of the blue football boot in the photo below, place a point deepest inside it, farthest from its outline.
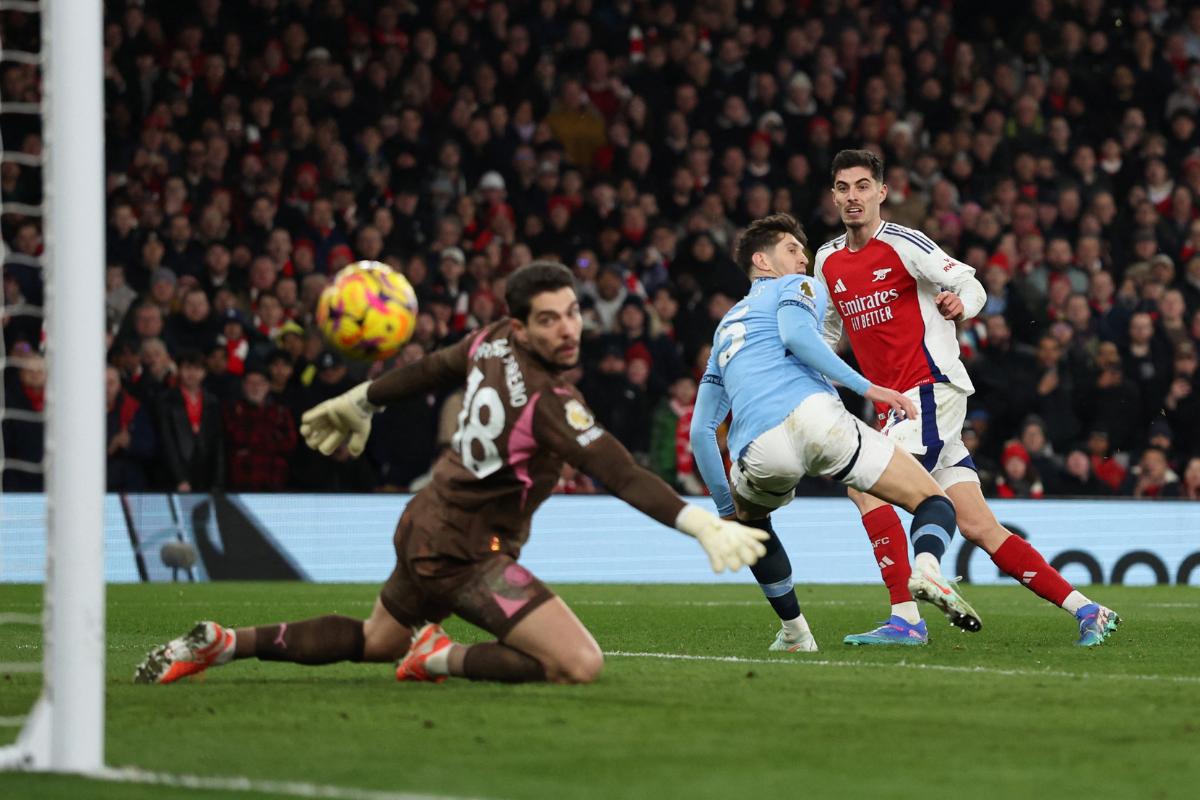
(1096, 623)
(893, 632)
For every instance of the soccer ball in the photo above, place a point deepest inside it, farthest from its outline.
(368, 312)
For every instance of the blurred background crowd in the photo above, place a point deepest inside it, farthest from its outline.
(254, 147)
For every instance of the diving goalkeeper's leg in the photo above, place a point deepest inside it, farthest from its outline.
(549, 644)
(323, 640)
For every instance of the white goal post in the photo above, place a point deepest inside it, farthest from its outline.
(65, 730)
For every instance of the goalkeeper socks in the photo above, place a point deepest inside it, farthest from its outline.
(492, 661)
(323, 640)
(932, 527)
(891, 554)
(1017, 558)
(774, 573)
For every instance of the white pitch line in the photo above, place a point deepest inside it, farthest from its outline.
(20, 667)
(239, 783)
(802, 661)
(697, 603)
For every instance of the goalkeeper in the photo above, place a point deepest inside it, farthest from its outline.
(458, 540)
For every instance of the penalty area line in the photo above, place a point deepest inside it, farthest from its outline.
(239, 783)
(803, 661)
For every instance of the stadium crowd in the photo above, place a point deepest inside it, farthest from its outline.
(254, 147)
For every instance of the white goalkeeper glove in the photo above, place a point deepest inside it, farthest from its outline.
(342, 419)
(729, 545)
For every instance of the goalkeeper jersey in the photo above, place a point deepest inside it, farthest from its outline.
(519, 422)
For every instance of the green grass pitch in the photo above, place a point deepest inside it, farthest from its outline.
(1014, 711)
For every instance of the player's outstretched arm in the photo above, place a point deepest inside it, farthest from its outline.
(568, 429)
(798, 330)
(346, 419)
(712, 404)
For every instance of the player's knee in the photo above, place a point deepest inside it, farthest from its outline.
(584, 666)
(978, 524)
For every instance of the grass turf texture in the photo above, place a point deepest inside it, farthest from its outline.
(1014, 710)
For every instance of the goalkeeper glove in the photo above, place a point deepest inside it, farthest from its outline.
(328, 425)
(729, 545)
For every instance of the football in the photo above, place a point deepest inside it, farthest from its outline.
(368, 312)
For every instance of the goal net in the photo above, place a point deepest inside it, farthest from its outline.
(51, 58)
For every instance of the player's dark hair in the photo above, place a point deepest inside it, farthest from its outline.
(530, 281)
(848, 159)
(763, 234)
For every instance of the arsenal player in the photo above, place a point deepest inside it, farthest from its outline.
(898, 295)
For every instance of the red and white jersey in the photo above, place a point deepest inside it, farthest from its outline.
(883, 295)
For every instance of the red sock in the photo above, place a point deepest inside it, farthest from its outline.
(891, 551)
(1018, 558)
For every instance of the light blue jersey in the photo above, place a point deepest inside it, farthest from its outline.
(767, 358)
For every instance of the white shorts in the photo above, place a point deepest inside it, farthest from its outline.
(819, 437)
(935, 438)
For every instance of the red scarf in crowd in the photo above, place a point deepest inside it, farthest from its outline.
(194, 405)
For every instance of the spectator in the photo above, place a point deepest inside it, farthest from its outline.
(610, 297)
(576, 124)
(193, 327)
(286, 389)
(1077, 479)
(118, 296)
(403, 440)
(19, 319)
(633, 331)
(1105, 466)
(156, 374)
(1189, 487)
(615, 400)
(1040, 451)
(1004, 373)
(23, 431)
(260, 435)
(218, 380)
(1116, 403)
(184, 255)
(1182, 403)
(1018, 478)
(1152, 477)
(670, 445)
(131, 439)
(1147, 366)
(1056, 398)
(189, 424)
